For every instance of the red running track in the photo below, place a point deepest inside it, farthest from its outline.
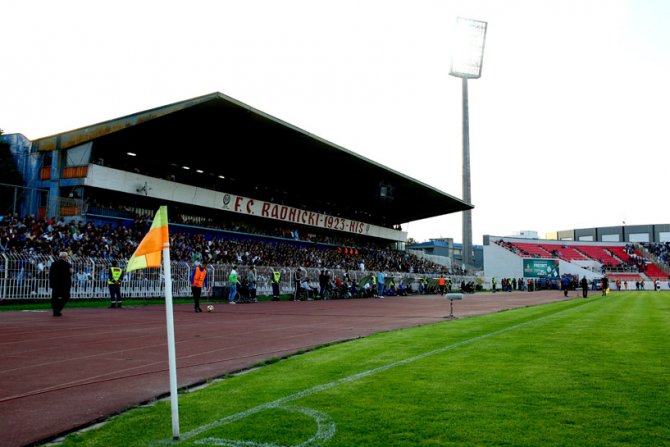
(58, 375)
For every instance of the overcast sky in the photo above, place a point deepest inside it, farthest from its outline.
(568, 123)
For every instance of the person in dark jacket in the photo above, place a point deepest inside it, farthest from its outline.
(585, 287)
(60, 281)
(606, 284)
(565, 285)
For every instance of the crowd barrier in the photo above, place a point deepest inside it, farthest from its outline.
(25, 276)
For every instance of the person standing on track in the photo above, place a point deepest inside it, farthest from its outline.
(232, 284)
(585, 287)
(114, 277)
(60, 281)
(297, 279)
(380, 285)
(251, 281)
(198, 281)
(324, 282)
(565, 285)
(276, 279)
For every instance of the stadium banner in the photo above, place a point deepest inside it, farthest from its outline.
(534, 268)
(132, 183)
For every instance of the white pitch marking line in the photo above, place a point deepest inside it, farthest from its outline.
(326, 386)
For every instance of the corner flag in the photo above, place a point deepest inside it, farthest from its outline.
(148, 254)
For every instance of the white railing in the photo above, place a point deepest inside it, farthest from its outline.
(25, 276)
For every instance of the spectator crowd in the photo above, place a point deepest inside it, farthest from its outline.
(191, 244)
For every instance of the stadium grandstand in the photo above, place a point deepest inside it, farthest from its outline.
(641, 262)
(242, 187)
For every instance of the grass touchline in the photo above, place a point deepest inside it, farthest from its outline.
(279, 402)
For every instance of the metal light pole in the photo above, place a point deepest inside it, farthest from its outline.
(466, 63)
(467, 214)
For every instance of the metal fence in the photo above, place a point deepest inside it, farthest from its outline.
(25, 276)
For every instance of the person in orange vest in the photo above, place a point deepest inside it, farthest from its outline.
(441, 283)
(198, 281)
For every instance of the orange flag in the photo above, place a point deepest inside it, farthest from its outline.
(148, 253)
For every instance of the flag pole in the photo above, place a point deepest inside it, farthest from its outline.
(172, 357)
(148, 254)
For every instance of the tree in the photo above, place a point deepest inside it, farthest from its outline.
(9, 173)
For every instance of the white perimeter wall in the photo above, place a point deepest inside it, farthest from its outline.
(501, 263)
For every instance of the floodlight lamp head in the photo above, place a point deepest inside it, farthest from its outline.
(468, 48)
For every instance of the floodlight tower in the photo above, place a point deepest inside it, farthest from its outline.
(466, 63)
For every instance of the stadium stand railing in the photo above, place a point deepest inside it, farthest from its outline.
(654, 272)
(600, 254)
(528, 249)
(621, 253)
(25, 277)
(564, 252)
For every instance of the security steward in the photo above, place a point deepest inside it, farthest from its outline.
(114, 278)
(198, 280)
(442, 284)
(276, 278)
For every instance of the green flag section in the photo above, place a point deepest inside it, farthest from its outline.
(148, 253)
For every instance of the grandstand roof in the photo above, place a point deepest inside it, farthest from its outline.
(260, 156)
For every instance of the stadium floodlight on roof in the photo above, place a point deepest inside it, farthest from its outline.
(468, 48)
(466, 63)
